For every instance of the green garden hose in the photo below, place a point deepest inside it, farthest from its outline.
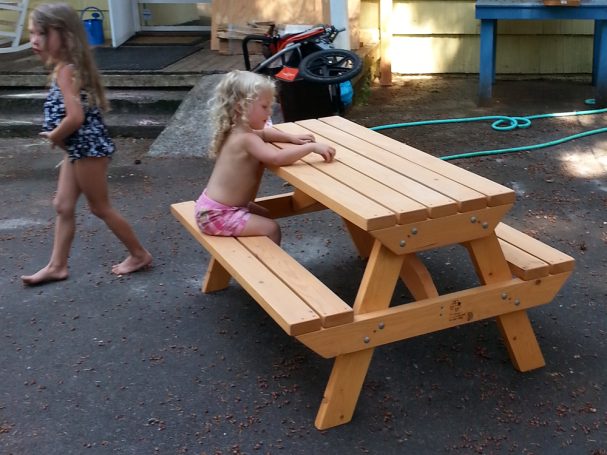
(505, 123)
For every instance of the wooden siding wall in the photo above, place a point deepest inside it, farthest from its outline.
(309, 12)
(435, 36)
(442, 36)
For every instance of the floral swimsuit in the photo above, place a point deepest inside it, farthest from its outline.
(92, 138)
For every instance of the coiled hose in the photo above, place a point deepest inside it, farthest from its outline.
(506, 123)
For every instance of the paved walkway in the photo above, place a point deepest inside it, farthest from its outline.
(146, 364)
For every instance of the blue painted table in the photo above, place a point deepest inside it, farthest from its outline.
(489, 11)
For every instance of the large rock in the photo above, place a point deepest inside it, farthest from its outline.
(189, 131)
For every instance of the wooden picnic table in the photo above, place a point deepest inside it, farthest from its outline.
(395, 201)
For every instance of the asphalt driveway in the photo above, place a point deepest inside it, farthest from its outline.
(146, 364)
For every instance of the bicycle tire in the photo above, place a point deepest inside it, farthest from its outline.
(330, 66)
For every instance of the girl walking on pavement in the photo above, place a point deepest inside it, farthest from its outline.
(73, 122)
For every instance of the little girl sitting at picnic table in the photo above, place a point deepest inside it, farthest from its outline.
(241, 108)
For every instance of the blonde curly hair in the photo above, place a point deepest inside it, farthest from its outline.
(233, 95)
(75, 49)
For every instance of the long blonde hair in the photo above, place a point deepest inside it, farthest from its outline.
(75, 49)
(233, 95)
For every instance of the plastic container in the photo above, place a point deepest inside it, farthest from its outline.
(346, 93)
(93, 25)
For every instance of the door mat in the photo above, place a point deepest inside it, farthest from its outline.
(140, 58)
(165, 39)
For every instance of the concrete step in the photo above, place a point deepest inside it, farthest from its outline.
(134, 112)
(127, 125)
(125, 79)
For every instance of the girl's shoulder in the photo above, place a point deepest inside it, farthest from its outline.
(238, 142)
(65, 78)
(67, 70)
(245, 138)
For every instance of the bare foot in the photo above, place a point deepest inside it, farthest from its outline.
(132, 264)
(45, 275)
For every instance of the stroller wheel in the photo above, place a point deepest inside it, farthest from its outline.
(330, 66)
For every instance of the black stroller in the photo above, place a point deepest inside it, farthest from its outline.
(311, 73)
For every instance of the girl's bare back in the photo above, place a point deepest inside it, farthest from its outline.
(236, 174)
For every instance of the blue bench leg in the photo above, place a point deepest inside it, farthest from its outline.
(487, 59)
(599, 63)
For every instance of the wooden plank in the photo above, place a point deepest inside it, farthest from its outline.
(449, 18)
(386, 11)
(349, 370)
(340, 198)
(449, 230)
(216, 277)
(488, 258)
(379, 280)
(517, 333)
(417, 278)
(466, 197)
(406, 209)
(496, 194)
(301, 200)
(289, 311)
(331, 309)
(281, 12)
(520, 341)
(409, 320)
(6, 23)
(416, 196)
(412, 201)
(354, 24)
(522, 264)
(362, 239)
(557, 260)
(342, 392)
(287, 204)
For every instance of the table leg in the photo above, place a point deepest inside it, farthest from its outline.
(599, 63)
(216, 277)
(343, 389)
(349, 370)
(520, 340)
(417, 278)
(488, 38)
(301, 200)
(363, 241)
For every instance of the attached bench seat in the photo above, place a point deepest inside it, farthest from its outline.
(290, 294)
(530, 259)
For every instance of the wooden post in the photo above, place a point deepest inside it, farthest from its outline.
(385, 27)
(349, 370)
(491, 267)
(343, 13)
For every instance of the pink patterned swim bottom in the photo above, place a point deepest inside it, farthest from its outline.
(214, 218)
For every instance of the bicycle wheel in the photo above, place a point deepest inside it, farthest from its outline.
(330, 66)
